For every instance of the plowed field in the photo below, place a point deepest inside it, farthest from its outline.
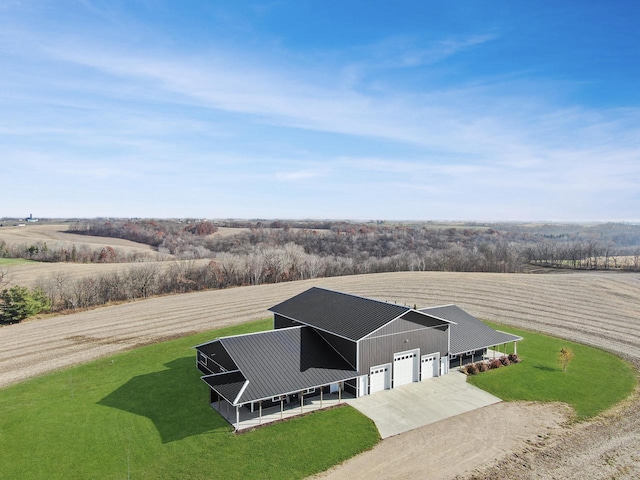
(595, 308)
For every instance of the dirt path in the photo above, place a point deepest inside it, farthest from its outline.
(599, 309)
(445, 449)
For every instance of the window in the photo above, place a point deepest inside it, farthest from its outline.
(309, 390)
(278, 398)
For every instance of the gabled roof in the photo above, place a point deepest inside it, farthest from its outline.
(468, 333)
(277, 362)
(345, 315)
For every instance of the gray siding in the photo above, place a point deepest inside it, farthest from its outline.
(346, 348)
(283, 322)
(379, 350)
(217, 357)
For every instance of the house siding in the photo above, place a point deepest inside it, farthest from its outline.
(380, 349)
(464, 359)
(217, 358)
(346, 348)
(283, 322)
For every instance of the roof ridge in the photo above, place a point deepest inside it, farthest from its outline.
(262, 332)
(439, 306)
(362, 297)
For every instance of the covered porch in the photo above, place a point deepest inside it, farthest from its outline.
(486, 354)
(254, 414)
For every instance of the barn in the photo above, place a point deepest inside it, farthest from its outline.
(327, 343)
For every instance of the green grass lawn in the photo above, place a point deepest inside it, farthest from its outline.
(144, 414)
(13, 261)
(594, 381)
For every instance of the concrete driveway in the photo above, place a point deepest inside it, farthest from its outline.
(421, 403)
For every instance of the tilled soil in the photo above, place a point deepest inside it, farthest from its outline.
(607, 447)
(600, 309)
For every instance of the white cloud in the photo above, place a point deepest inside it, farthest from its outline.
(108, 104)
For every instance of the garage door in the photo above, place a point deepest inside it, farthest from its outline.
(380, 378)
(429, 366)
(405, 367)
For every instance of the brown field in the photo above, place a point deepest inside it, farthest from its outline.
(600, 309)
(56, 235)
(28, 274)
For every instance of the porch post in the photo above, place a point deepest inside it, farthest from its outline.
(515, 348)
(321, 388)
(301, 402)
(281, 407)
(237, 418)
(260, 417)
(339, 393)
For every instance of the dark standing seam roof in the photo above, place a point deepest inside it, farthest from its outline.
(345, 315)
(468, 333)
(227, 384)
(283, 361)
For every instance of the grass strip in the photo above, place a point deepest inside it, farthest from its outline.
(14, 261)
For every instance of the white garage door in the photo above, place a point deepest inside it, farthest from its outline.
(405, 367)
(429, 366)
(380, 378)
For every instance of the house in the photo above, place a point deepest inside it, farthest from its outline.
(328, 343)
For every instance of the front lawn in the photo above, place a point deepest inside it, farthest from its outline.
(145, 414)
(594, 381)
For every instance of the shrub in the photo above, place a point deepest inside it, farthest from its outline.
(495, 364)
(504, 360)
(482, 366)
(471, 369)
(514, 358)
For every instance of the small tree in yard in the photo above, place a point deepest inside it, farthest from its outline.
(18, 303)
(565, 357)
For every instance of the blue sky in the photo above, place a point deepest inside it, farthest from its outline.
(413, 110)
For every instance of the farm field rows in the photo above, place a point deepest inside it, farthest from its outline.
(28, 274)
(600, 309)
(56, 234)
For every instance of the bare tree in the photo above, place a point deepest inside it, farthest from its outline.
(5, 279)
(565, 356)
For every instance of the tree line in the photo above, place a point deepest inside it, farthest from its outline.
(279, 251)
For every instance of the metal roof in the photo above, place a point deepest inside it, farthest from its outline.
(278, 362)
(348, 316)
(468, 333)
(227, 384)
